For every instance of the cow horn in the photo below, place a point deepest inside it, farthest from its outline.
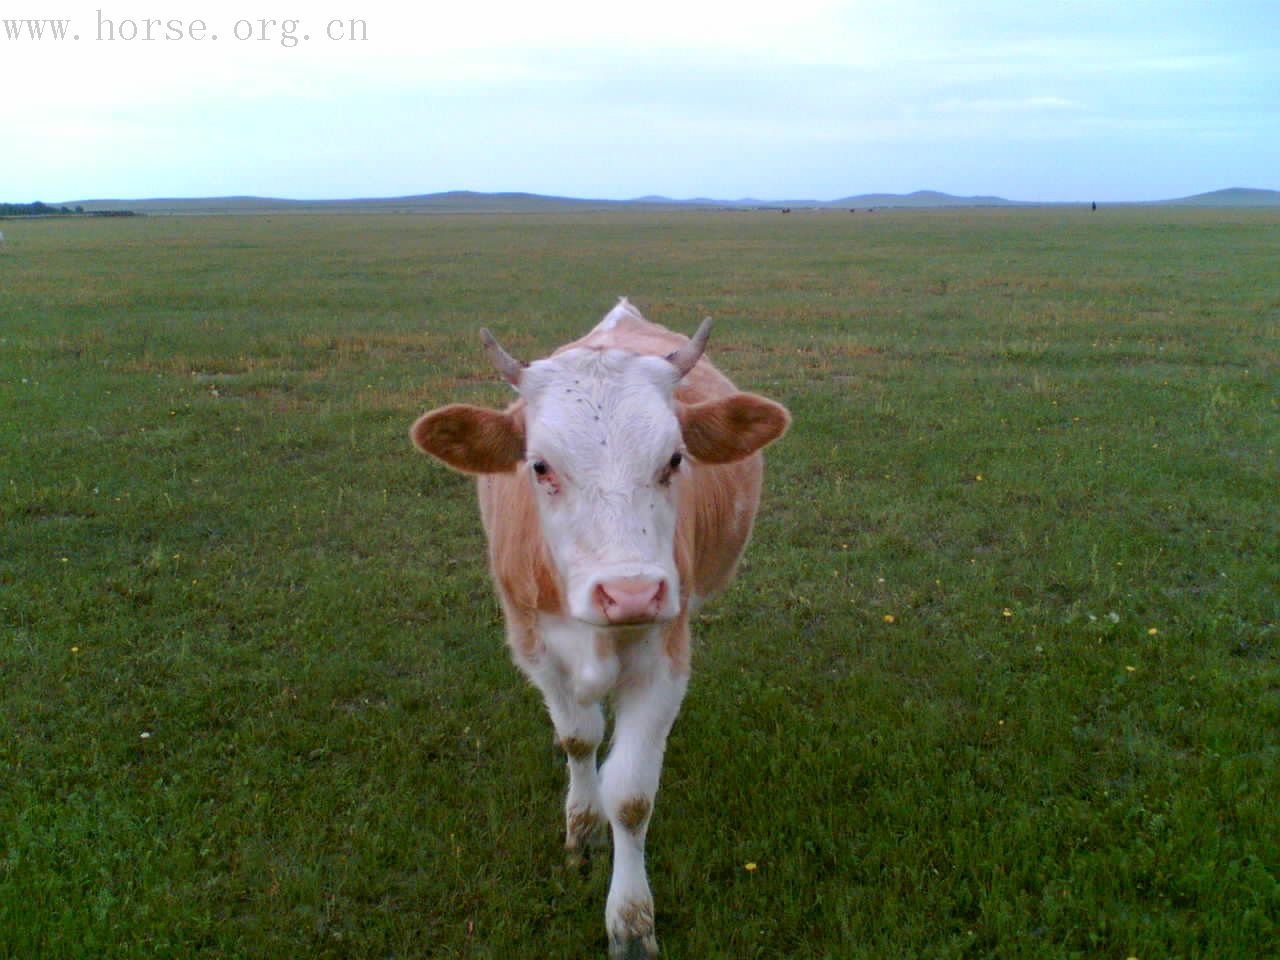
(506, 364)
(684, 358)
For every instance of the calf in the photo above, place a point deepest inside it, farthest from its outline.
(617, 494)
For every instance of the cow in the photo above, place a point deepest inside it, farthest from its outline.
(617, 494)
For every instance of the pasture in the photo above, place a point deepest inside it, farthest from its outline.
(999, 676)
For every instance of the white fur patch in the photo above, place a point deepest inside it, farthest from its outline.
(592, 673)
(624, 309)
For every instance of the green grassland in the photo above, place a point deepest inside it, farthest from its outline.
(1000, 675)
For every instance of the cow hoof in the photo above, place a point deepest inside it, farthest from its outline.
(634, 948)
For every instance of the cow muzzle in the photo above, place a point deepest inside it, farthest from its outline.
(630, 600)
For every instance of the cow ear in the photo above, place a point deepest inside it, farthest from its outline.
(472, 439)
(736, 426)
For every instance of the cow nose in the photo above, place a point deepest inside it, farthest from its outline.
(630, 600)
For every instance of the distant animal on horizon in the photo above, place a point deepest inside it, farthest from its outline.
(617, 494)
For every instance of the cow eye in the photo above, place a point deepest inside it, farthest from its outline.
(546, 477)
(672, 466)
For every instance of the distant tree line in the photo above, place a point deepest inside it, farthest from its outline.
(36, 209)
(39, 209)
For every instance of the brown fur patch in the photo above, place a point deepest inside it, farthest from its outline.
(578, 749)
(675, 643)
(634, 813)
(717, 507)
(637, 918)
(582, 827)
(522, 636)
(518, 554)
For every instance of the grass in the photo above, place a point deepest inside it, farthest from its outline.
(1000, 676)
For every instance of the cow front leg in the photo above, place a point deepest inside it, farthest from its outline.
(579, 732)
(584, 819)
(645, 709)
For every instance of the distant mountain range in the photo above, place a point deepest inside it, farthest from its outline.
(466, 201)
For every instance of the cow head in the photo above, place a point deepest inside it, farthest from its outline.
(605, 446)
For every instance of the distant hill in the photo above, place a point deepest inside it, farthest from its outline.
(454, 201)
(468, 201)
(1233, 197)
(921, 198)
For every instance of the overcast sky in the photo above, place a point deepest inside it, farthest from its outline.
(785, 99)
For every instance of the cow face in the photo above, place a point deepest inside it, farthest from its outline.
(604, 447)
(604, 454)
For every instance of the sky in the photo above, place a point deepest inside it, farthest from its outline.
(1077, 100)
